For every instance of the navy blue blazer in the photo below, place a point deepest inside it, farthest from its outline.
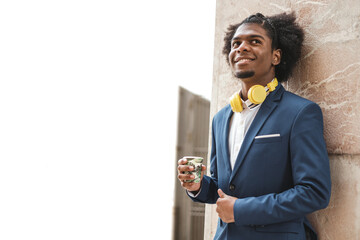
(277, 180)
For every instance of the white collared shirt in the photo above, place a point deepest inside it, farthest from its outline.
(239, 125)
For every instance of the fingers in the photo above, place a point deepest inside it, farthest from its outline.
(185, 168)
(221, 193)
(203, 168)
(183, 176)
(182, 161)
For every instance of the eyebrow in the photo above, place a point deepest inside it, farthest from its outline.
(250, 36)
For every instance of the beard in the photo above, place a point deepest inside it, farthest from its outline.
(244, 74)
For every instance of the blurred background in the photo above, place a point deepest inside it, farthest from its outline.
(93, 118)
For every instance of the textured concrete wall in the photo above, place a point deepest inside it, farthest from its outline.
(329, 74)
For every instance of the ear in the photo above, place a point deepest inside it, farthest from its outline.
(276, 57)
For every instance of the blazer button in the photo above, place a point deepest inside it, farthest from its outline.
(232, 187)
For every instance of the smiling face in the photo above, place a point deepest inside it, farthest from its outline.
(251, 57)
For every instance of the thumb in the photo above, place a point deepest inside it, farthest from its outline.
(221, 193)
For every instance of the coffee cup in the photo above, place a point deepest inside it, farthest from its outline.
(195, 162)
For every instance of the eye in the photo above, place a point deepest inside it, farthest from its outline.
(255, 41)
(235, 44)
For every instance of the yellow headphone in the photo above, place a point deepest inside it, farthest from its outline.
(256, 95)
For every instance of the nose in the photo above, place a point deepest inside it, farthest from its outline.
(244, 46)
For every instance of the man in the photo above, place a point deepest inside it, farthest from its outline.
(269, 164)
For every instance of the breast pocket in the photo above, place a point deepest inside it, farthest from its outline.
(268, 149)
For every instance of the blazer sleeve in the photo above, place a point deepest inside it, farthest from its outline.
(209, 185)
(311, 177)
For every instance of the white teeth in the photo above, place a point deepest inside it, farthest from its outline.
(245, 60)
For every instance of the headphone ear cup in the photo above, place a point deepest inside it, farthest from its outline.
(257, 94)
(235, 102)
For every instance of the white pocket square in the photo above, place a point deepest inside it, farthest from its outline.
(268, 136)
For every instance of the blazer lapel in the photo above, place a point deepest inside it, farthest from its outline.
(225, 140)
(265, 110)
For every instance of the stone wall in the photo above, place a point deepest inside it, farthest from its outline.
(328, 74)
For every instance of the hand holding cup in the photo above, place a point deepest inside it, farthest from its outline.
(190, 173)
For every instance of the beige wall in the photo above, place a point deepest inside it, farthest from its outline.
(329, 74)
